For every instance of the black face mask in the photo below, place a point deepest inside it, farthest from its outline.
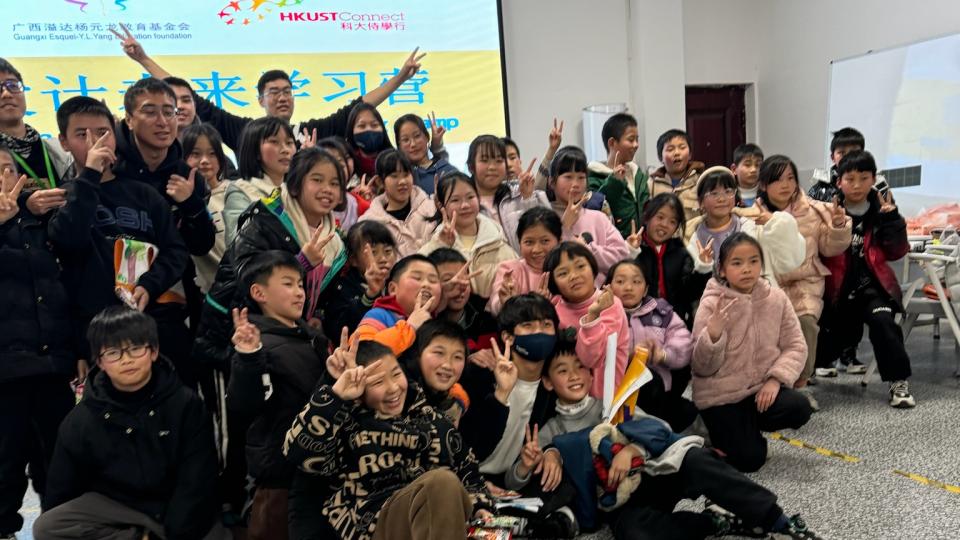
(369, 141)
(535, 347)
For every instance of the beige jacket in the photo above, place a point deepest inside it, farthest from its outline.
(686, 190)
(489, 250)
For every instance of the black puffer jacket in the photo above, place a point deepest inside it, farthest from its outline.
(152, 451)
(683, 285)
(37, 336)
(295, 360)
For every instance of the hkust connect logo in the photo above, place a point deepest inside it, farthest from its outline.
(246, 12)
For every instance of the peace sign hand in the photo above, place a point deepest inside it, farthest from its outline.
(838, 216)
(10, 189)
(706, 251)
(448, 232)
(527, 181)
(130, 45)
(556, 136)
(572, 212)
(886, 203)
(374, 275)
(436, 133)
(246, 336)
(636, 237)
(543, 287)
(619, 169)
(412, 65)
(351, 384)
(99, 155)
(343, 357)
(421, 311)
(313, 249)
(531, 455)
(719, 318)
(309, 138)
(179, 188)
(765, 214)
(505, 371)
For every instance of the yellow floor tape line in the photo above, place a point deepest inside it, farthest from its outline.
(928, 482)
(818, 449)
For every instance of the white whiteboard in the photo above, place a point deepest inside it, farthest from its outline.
(906, 102)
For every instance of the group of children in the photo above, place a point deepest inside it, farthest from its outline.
(386, 346)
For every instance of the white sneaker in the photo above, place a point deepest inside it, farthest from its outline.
(826, 371)
(900, 396)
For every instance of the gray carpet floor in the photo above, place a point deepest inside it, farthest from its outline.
(863, 500)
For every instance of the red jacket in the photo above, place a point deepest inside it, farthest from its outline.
(884, 239)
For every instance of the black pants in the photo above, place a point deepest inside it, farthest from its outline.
(875, 308)
(735, 428)
(31, 411)
(649, 515)
(669, 406)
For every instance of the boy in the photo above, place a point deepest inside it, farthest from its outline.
(747, 159)
(843, 141)
(462, 306)
(38, 355)
(277, 364)
(400, 470)
(114, 232)
(620, 179)
(413, 289)
(861, 287)
(136, 456)
(678, 174)
(672, 468)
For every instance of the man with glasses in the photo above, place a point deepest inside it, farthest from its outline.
(275, 94)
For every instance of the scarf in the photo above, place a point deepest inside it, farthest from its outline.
(22, 146)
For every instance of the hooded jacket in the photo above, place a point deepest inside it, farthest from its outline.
(191, 216)
(412, 232)
(238, 197)
(154, 453)
(271, 385)
(338, 439)
(626, 197)
(386, 323)
(489, 250)
(762, 340)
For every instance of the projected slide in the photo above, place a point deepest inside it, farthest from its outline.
(333, 51)
(906, 101)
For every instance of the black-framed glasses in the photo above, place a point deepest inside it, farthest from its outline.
(151, 111)
(11, 85)
(134, 351)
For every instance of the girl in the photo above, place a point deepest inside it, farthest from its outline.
(667, 265)
(748, 352)
(366, 137)
(539, 231)
(441, 355)
(655, 326)
(298, 219)
(266, 148)
(204, 150)
(371, 253)
(595, 314)
(470, 232)
(430, 485)
(412, 139)
(782, 243)
(487, 163)
(356, 204)
(826, 232)
(403, 207)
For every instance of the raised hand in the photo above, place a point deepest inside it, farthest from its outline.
(530, 455)
(353, 381)
(886, 203)
(603, 302)
(375, 276)
(313, 249)
(838, 215)
(179, 188)
(765, 214)
(366, 188)
(706, 251)
(543, 286)
(309, 138)
(572, 212)
(99, 156)
(436, 133)
(343, 357)
(719, 318)
(130, 45)
(246, 336)
(508, 288)
(421, 311)
(636, 237)
(767, 394)
(448, 231)
(10, 188)
(619, 169)
(527, 179)
(556, 135)
(505, 372)
(458, 282)
(412, 65)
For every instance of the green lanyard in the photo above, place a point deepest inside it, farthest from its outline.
(51, 183)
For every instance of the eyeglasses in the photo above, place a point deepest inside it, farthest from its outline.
(149, 111)
(722, 194)
(274, 93)
(12, 86)
(135, 351)
(416, 137)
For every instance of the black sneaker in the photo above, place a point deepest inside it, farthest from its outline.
(850, 364)
(729, 524)
(796, 529)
